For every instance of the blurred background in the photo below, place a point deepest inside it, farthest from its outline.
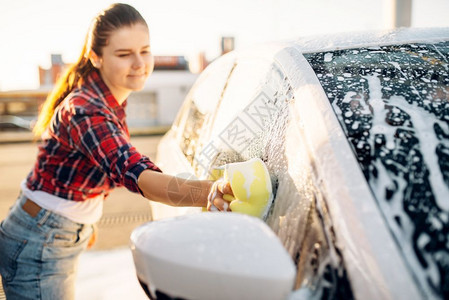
(39, 39)
(31, 31)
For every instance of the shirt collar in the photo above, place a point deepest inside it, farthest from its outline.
(98, 84)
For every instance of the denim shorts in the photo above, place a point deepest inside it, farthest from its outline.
(38, 255)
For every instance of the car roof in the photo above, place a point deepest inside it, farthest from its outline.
(347, 40)
(371, 38)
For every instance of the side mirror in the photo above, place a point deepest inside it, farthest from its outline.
(211, 256)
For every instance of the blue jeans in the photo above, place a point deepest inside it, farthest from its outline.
(38, 256)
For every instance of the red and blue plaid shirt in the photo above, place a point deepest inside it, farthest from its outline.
(86, 150)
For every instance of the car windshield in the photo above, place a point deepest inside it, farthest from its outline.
(393, 105)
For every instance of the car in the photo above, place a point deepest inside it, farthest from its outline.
(8, 122)
(354, 130)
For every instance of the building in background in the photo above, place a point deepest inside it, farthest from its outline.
(171, 63)
(48, 77)
(156, 106)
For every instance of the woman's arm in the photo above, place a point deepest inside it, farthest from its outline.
(176, 191)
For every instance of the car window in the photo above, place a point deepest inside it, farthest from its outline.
(298, 215)
(200, 103)
(393, 105)
(246, 80)
(240, 115)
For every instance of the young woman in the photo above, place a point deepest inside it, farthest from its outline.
(85, 152)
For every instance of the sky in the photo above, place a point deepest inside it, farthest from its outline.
(32, 30)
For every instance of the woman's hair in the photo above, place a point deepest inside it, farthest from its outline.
(114, 17)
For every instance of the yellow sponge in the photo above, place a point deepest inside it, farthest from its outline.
(251, 184)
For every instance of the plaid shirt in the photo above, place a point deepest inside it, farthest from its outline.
(86, 150)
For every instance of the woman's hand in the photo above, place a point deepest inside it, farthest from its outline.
(219, 196)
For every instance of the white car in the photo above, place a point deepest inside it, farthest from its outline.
(354, 130)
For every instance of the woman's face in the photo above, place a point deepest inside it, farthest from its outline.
(126, 61)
